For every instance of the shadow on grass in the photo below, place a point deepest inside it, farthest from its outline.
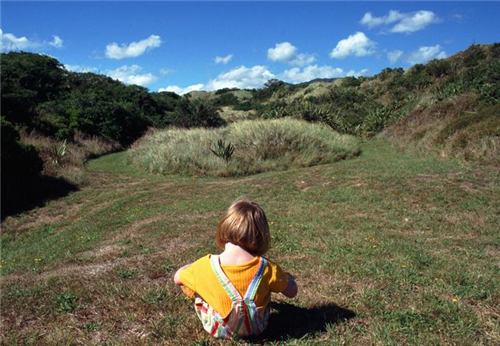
(21, 198)
(292, 322)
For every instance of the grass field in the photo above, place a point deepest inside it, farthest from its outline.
(387, 248)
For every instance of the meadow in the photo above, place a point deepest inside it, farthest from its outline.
(387, 248)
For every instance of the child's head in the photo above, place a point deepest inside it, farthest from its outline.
(245, 224)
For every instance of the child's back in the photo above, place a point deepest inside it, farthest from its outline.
(233, 290)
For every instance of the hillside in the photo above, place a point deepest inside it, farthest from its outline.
(447, 107)
(54, 120)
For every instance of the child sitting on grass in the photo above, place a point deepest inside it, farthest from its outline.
(233, 289)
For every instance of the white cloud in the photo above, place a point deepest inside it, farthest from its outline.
(241, 77)
(302, 59)
(165, 71)
(181, 91)
(416, 22)
(356, 74)
(132, 50)
(370, 21)
(394, 55)
(297, 75)
(358, 45)
(11, 42)
(131, 75)
(424, 54)
(283, 51)
(223, 60)
(57, 42)
(407, 22)
(288, 53)
(80, 68)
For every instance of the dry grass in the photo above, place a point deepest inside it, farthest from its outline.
(259, 146)
(70, 164)
(458, 127)
(231, 115)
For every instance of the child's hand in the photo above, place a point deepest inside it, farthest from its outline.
(291, 289)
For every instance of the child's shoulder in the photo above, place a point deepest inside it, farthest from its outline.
(272, 266)
(202, 261)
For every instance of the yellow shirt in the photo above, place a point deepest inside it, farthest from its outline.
(200, 279)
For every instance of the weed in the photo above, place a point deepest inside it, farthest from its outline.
(67, 302)
(127, 273)
(92, 326)
(222, 150)
(58, 152)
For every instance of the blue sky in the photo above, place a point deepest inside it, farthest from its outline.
(182, 46)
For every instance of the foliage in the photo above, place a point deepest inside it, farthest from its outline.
(438, 68)
(38, 93)
(226, 99)
(225, 90)
(67, 302)
(270, 87)
(28, 80)
(351, 82)
(58, 151)
(473, 55)
(196, 113)
(222, 150)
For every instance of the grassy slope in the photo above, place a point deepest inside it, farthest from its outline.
(409, 245)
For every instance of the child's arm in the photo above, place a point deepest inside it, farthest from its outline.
(291, 289)
(177, 276)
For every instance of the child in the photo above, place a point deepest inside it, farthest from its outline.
(233, 289)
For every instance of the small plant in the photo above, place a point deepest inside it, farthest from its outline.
(57, 152)
(168, 267)
(155, 296)
(222, 150)
(127, 273)
(67, 302)
(92, 326)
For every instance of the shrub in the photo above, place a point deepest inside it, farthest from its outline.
(351, 82)
(226, 99)
(259, 145)
(223, 150)
(197, 113)
(473, 55)
(438, 67)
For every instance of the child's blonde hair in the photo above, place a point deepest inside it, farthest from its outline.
(245, 224)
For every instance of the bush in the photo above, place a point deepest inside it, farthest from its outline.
(438, 67)
(473, 55)
(351, 82)
(197, 113)
(259, 145)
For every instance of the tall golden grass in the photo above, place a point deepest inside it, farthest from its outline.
(260, 145)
